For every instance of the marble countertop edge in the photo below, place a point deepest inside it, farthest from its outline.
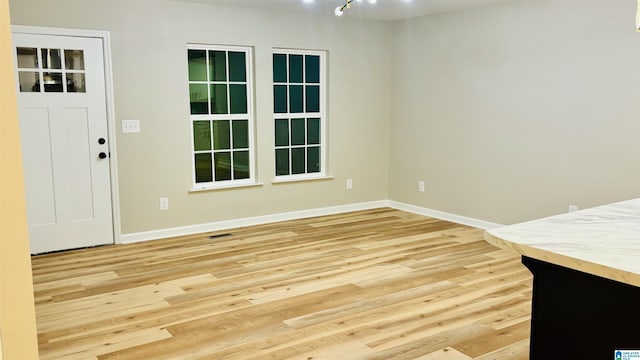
(566, 261)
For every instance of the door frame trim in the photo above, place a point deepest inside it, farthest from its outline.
(111, 122)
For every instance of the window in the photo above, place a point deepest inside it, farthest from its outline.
(221, 115)
(50, 70)
(299, 113)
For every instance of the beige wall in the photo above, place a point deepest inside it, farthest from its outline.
(17, 317)
(149, 40)
(508, 111)
(516, 110)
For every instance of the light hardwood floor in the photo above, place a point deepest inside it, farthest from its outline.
(377, 284)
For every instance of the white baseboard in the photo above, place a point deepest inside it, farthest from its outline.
(301, 214)
(459, 219)
(257, 220)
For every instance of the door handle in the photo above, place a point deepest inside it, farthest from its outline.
(102, 155)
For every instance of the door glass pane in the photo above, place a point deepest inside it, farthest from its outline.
(27, 57)
(313, 98)
(312, 69)
(282, 162)
(218, 65)
(74, 59)
(279, 68)
(197, 65)
(240, 134)
(295, 68)
(52, 82)
(297, 161)
(295, 98)
(279, 99)
(313, 159)
(221, 138)
(75, 82)
(237, 66)
(219, 99)
(238, 98)
(240, 165)
(201, 135)
(51, 59)
(29, 81)
(198, 96)
(223, 166)
(297, 132)
(313, 131)
(282, 132)
(203, 169)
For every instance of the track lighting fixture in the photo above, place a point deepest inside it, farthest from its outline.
(347, 5)
(340, 9)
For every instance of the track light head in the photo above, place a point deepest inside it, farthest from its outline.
(347, 5)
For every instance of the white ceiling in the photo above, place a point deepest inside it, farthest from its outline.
(382, 10)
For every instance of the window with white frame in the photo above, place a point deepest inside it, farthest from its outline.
(299, 113)
(221, 113)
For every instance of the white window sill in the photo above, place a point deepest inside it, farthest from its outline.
(225, 186)
(297, 178)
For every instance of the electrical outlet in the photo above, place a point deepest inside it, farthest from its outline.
(164, 203)
(130, 126)
(421, 186)
(573, 208)
(349, 184)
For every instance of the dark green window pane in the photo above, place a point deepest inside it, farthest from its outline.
(313, 159)
(312, 69)
(198, 97)
(240, 165)
(219, 99)
(203, 168)
(221, 138)
(201, 135)
(237, 66)
(295, 68)
(223, 166)
(238, 98)
(313, 98)
(313, 131)
(282, 162)
(297, 132)
(282, 132)
(279, 68)
(240, 134)
(197, 65)
(279, 99)
(295, 98)
(218, 65)
(297, 161)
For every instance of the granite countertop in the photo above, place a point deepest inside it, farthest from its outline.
(603, 241)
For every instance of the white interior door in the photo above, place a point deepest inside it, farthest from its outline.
(63, 120)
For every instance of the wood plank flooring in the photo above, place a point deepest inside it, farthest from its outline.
(376, 284)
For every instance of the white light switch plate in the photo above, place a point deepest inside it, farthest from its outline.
(130, 126)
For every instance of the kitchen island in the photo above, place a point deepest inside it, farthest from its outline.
(586, 280)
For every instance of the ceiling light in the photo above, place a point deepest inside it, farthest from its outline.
(347, 5)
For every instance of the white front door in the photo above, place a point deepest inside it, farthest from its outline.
(63, 120)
